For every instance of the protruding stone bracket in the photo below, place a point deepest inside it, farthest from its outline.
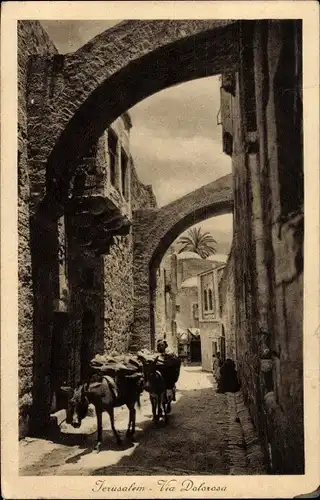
(229, 83)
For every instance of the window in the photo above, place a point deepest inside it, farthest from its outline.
(124, 174)
(195, 311)
(210, 300)
(112, 148)
(177, 308)
(205, 296)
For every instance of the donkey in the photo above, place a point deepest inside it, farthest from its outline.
(105, 393)
(156, 386)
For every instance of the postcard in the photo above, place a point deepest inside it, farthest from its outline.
(160, 250)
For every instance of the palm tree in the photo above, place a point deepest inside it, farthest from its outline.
(198, 242)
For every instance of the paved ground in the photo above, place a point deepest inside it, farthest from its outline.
(204, 436)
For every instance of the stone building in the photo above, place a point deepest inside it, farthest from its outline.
(263, 133)
(210, 325)
(75, 273)
(176, 308)
(189, 264)
(187, 315)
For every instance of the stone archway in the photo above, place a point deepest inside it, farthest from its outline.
(155, 230)
(89, 89)
(73, 98)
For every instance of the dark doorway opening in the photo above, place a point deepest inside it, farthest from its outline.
(222, 342)
(195, 351)
(59, 358)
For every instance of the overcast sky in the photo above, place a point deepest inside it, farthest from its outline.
(175, 140)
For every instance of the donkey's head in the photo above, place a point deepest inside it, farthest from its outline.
(78, 405)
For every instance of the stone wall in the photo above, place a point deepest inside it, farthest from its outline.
(161, 303)
(118, 295)
(142, 196)
(32, 39)
(268, 237)
(186, 297)
(282, 151)
(210, 331)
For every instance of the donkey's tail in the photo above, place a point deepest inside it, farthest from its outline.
(138, 401)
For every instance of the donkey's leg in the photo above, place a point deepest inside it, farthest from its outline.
(154, 407)
(164, 406)
(133, 428)
(111, 415)
(168, 401)
(159, 402)
(132, 422)
(99, 428)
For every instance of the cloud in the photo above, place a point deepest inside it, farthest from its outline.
(176, 142)
(188, 109)
(177, 165)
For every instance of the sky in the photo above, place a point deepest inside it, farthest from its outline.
(175, 139)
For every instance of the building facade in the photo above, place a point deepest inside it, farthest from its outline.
(75, 273)
(176, 309)
(211, 331)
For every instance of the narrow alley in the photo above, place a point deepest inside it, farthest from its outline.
(207, 433)
(155, 205)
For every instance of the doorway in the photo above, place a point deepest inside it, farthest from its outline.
(195, 351)
(59, 358)
(222, 342)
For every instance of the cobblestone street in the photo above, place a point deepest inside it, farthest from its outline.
(207, 433)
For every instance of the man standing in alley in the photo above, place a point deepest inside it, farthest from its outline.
(216, 365)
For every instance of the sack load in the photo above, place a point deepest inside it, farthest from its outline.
(168, 364)
(116, 364)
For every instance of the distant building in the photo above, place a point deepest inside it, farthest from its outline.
(177, 308)
(189, 264)
(189, 345)
(210, 325)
